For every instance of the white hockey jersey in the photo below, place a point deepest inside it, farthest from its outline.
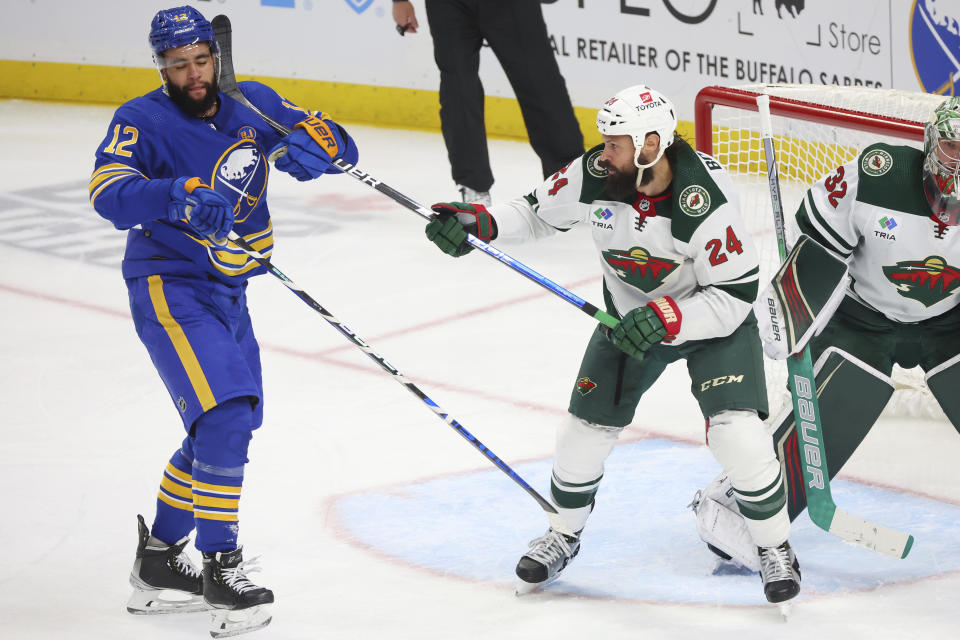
(689, 243)
(873, 213)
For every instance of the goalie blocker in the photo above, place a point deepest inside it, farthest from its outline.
(801, 298)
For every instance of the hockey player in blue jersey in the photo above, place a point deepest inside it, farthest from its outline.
(180, 169)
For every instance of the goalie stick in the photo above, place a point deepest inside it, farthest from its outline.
(228, 85)
(389, 368)
(806, 409)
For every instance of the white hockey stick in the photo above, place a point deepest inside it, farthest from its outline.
(806, 408)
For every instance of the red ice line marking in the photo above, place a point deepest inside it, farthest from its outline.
(638, 432)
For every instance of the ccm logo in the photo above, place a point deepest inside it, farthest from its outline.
(716, 382)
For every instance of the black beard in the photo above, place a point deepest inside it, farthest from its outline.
(196, 108)
(621, 185)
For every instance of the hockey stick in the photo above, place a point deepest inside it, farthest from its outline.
(389, 368)
(806, 408)
(228, 85)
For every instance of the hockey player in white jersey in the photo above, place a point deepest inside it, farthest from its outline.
(892, 216)
(681, 272)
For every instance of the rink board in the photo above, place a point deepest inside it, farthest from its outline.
(641, 541)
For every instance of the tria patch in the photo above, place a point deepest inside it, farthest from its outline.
(694, 200)
(876, 163)
(638, 268)
(585, 385)
(927, 281)
(593, 165)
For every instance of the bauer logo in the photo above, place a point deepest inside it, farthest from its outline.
(876, 163)
(241, 176)
(935, 44)
(694, 200)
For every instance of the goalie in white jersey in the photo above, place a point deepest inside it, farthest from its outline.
(890, 218)
(681, 271)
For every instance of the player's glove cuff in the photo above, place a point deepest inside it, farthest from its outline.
(669, 314)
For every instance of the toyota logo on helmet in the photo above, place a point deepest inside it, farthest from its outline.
(635, 112)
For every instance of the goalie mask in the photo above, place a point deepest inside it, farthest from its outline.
(637, 111)
(179, 27)
(941, 163)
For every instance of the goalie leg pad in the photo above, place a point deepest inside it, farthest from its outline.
(740, 443)
(582, 448)
(800, 300)
(721, 525)
(943, 382)
(840, 377)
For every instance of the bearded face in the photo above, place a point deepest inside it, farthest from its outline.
(190, 98)
(189, 73)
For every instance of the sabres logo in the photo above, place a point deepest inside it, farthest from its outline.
(240, 175)
(927, 281)
(585, 385)
(638, 268)
(935, 45)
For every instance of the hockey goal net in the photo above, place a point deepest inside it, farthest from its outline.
(816, 129)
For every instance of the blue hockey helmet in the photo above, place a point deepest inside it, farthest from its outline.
(172, 28)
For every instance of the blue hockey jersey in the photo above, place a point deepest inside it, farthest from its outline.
(151, 142)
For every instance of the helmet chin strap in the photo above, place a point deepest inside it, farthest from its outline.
(641, 167)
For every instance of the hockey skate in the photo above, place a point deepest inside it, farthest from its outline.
(780, 573)
(164, 579)
(547, 557)
(238, 605)
(477, 197)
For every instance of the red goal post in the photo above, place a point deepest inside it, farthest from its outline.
(806, 110)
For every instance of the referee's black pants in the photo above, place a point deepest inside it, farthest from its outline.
(517, 34)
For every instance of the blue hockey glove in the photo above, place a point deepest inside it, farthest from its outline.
(312, 147)
(641, 328)
(449, 226)
(208, 212)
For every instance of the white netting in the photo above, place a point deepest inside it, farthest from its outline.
(806, 152)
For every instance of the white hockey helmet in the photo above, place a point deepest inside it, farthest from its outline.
(941, 164)
(635, 112)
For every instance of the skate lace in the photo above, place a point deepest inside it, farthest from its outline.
(236, 578)
(185, 566)
(775, 564)
(549, 547)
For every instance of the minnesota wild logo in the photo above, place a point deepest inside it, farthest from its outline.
(927, 281)
(638, 268)
(585, 386)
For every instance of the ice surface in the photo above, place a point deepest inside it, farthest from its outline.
(88, 427)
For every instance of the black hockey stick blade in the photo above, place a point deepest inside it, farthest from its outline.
(223, 33)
